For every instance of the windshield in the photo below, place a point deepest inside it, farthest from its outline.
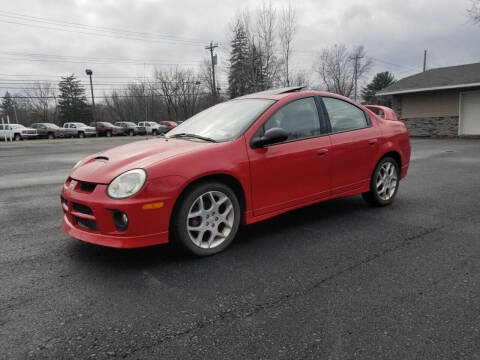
(17, 126)
(52, 125)
(80, 124)
(225, 121)
(129, 123)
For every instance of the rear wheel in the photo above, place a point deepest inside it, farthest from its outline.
(207, 219)
(384, 183)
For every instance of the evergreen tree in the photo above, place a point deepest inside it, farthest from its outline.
(72, 102)
(238, 61)
(8, 106)
(379, 82)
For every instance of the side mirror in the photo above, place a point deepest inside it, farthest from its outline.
(271, 136)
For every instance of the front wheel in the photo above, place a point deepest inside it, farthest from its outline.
(207, 219)
(108, 134)
(81, 134)
(384, 183)
(51, 136)
(130, 133)
(154, 132)
(17, 137)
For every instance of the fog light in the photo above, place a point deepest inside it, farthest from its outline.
(120, 219)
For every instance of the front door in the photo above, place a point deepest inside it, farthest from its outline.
(296, 171)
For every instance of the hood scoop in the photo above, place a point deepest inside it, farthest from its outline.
(102, 158)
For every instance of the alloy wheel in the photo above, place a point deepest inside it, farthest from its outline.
(386, 181)
(210, 219)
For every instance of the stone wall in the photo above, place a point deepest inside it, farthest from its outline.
(443, 126)
(446, 126)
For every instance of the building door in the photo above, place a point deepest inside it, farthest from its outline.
(470, 113)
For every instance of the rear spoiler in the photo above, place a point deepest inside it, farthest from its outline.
(384, 112)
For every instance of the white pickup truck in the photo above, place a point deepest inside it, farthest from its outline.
(152, 128)
(16, 132)
(78, 129)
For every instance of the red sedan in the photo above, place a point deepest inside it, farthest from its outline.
(238, 162)
(169, 124)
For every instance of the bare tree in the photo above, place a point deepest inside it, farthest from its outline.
(266, 33)
(339, 68)
(287, 29)
(41, 101)
(473, 11)
(180, 90)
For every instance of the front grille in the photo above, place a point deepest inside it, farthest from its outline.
(86, 223)
(82, 209)
(87, 186)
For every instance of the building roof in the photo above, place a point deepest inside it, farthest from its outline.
(451, 77)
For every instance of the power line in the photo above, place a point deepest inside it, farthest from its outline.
(92, 27)
(93, 30)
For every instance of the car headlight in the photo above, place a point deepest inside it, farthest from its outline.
(127, 184)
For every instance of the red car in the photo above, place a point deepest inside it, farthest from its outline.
(238, 162)
(169, 124)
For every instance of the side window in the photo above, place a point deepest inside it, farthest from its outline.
(343, 115)
(298, 118)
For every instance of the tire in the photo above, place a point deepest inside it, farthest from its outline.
(130, 133)
(17, 137)
(108, 134)
(217, 224)
(50, 136)
(154, 132)
(384, 183)
(81, 134)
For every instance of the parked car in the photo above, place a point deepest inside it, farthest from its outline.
(169, 124)
(107, 129)
(78, 129)
(152, 128)
(130, 128)
(48, 130)
(17, 132)
(241, 161)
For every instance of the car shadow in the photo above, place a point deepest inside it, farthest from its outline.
(315, 217)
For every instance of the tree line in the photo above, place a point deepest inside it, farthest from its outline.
(262, 42)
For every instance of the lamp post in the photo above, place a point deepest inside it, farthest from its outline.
(89, 73)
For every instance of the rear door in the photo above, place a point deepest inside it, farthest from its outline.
(296, 171)
(354, 145)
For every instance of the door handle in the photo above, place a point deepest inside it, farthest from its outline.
(321, 152)
(372, 141)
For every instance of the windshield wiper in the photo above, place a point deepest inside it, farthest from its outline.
(195, 136)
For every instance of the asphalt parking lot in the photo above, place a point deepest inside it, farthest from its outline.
(337, 280)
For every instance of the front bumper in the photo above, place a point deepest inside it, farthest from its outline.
(88, 216)
(29, 136)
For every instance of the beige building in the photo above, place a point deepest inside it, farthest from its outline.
(439, 102)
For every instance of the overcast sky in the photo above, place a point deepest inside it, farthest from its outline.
(394, 33)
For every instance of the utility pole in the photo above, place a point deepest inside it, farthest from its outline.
(356, 60)
(211, 47)
(424, 60)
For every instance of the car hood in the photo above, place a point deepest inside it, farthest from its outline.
(104, 166)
